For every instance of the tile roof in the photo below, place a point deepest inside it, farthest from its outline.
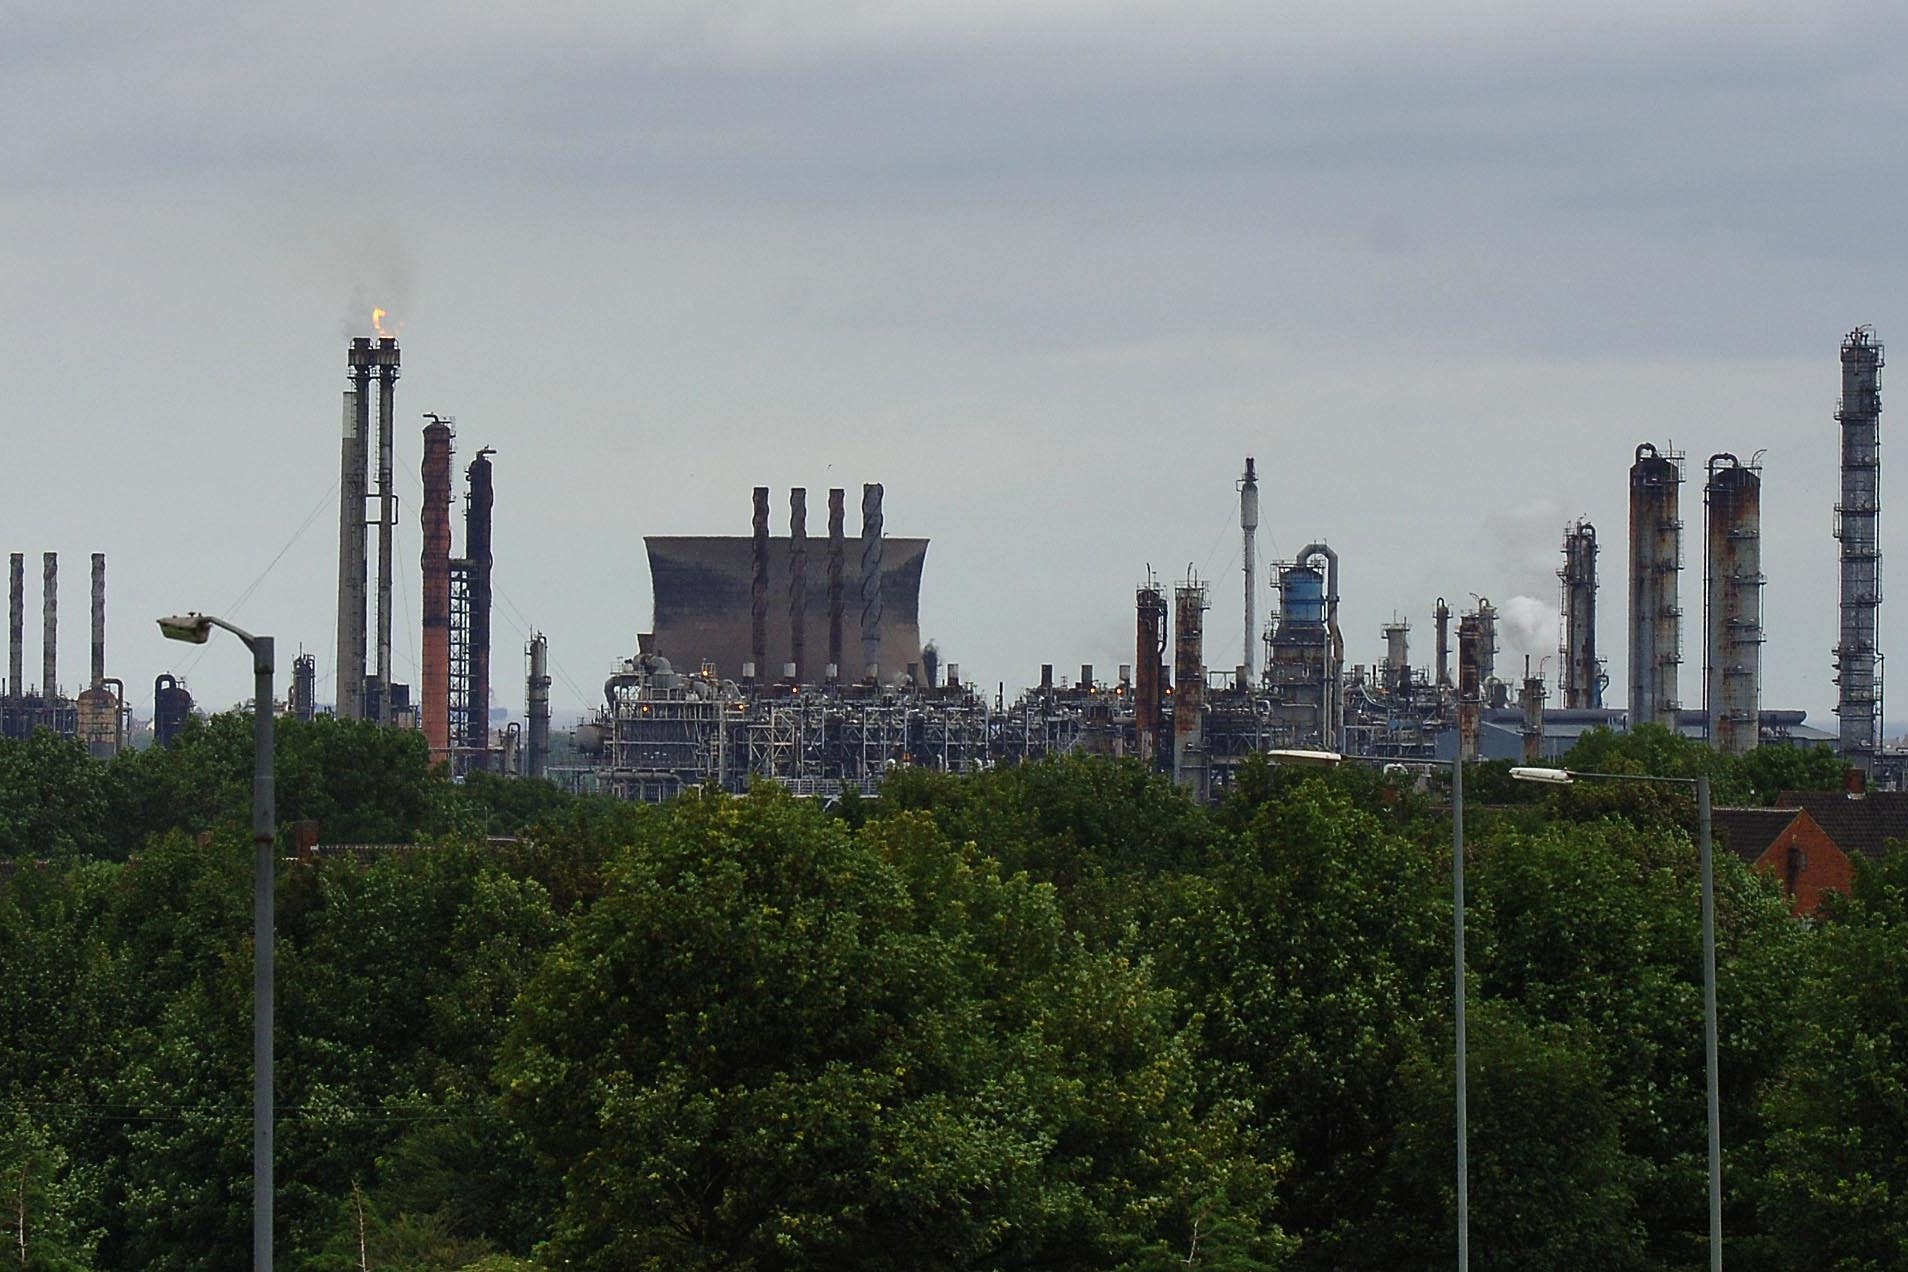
(1862, 823)
(1748, 832)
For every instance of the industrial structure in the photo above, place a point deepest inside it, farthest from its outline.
(1858, 528)
(454, 710)
(1656, 563)
(96, 716)
(363, 694)
(1580, 678)
(1732, 603)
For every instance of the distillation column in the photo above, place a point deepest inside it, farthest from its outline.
(1149, 650)
(1732, 609)
(537, 707)
(387, 365)
(1656, 560)
(1189, 687)
(1581, 674)
(1857, 526)
(479, 497)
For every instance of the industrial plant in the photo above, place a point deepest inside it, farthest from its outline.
(771, 656)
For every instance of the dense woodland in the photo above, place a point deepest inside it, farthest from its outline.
(1049, 1017)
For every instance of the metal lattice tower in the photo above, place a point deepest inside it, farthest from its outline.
(1858, 527)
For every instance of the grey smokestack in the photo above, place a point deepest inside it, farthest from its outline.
(387, 359)
(836, 498)
(798, 582)
(16, 623)
(537, 700)
(50, 624)
(354, 461)
(99, 619)
(758, 590)
(871, 580)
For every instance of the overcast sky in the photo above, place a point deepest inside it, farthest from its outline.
(1049, 272)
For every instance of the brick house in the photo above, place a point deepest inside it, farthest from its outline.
(1808, 839)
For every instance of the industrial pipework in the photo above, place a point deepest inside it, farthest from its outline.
(1857, 526)
(1580, 673)
(1656, 559)
(1732, 608)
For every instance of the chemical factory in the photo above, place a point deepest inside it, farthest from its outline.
(762, 665)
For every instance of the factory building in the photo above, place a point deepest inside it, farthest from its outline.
(96, 715)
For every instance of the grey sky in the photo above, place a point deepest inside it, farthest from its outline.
(1049, 272)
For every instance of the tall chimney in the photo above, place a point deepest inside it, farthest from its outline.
(537, 707)
(387, 359)
(436, 604)
(16, 624)
(99, 619)
(871, 580)
(1189, 694)
(1470, 686)
(798, 583)
(50, 626)
(1249, 526)
(1149, 648)
(758, 588)
(352, 605)
(836, 498)
(1442, 615)
(477, 507)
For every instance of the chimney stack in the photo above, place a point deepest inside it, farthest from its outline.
(798, 582)
(758, 588)
(16, 624)
(99, 619)
(871, 523)
(836, 497)
(436, 604)
(50, 626)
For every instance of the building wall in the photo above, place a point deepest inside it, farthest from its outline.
(1805, 862)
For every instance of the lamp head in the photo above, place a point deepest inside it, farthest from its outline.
(194, 629)
(1555, 776)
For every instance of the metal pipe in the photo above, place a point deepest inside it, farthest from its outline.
(49, 626)
(871, 524)
(798, 582)
(758, 589)
(836, 544)
(16, 624)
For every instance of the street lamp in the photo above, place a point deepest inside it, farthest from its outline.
(196, 629)
(1329, 759)
(1701, 782)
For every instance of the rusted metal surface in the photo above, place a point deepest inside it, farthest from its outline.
(871, 528)
(1189, 686)
(1149, 648)
(1858, 527)
(836, 549)
(1580, 672)
(434, 561)
(758, 588)
(1656, 559)
(1470, 686)
(798, 583)
(1732, 647)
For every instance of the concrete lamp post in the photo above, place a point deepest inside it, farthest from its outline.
(1564, 777)
(196, 629)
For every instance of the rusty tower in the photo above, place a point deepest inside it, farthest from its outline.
(1656, 561)
(1732, 603)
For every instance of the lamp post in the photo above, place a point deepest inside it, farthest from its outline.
(1330, 758)
(1701, 783)
(197, 629)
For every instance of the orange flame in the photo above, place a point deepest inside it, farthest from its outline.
(377, 324)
